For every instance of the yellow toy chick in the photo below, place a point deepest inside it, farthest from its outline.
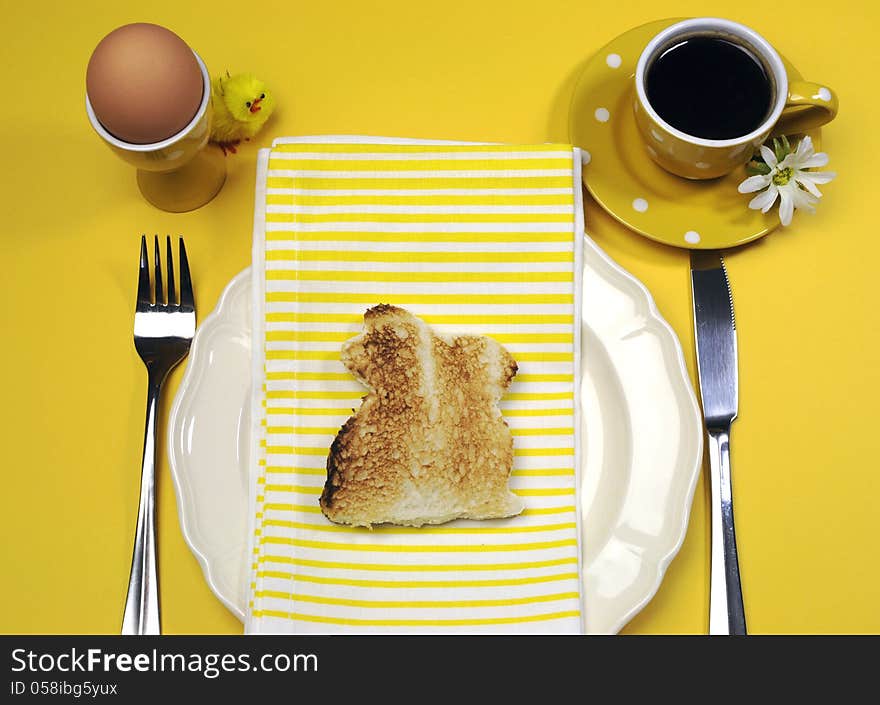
(242, 104)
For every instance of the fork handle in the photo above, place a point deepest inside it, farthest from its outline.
(726, 613)
(141, 614)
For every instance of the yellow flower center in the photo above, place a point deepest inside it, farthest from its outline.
(783, 176)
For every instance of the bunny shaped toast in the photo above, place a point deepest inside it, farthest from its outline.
(428, 443)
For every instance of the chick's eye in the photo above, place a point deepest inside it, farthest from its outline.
(248, 104)
(262, 96)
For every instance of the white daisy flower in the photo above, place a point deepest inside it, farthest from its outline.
(785, 177)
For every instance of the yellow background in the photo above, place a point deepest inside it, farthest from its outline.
(73, 389)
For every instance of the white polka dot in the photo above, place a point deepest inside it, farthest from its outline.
(602, 114)
(640, 204)
(656, 135)
(824, 94)
(613, 60)
(651, 151)
(586, 157)
(692, 236)
(702, 165)
(737, 151)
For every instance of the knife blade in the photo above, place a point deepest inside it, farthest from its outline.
(715, 335)
(717, 369)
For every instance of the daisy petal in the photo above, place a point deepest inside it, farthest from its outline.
(810, 185)
(786, 206)
(803, 200)
(787, 161)
(768, 156)
(764, 201)
(754, 183)
(820, 159)
(817, 177)
(804, 149)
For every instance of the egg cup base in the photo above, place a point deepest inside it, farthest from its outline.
(189, 187)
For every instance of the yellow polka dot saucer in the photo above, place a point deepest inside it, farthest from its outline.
(625, 181)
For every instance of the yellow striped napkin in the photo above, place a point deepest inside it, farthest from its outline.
(472, 238)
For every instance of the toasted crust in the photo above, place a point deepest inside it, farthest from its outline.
(428, 444)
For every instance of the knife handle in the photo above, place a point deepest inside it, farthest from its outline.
(726, 613)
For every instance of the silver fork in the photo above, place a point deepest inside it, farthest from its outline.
(163, 332)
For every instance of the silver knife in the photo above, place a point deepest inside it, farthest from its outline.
(715, 335)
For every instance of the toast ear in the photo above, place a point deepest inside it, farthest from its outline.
(389, 332)
(500, 365)
(386, 314)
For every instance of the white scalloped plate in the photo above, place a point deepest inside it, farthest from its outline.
(641, 426)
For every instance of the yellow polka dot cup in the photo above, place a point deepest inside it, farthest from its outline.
(795, 106)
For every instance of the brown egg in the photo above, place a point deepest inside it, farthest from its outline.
(144, 83)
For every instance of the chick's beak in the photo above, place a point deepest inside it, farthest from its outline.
(255, 105)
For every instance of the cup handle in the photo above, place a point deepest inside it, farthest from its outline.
(809, 105)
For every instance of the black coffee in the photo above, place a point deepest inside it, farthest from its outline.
(709, 88)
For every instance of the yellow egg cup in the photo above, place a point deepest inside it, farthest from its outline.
(621, 176)
(180, 173)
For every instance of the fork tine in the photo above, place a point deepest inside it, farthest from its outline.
(160, 290)
(144, 295)
(172, 295)
(187, 300)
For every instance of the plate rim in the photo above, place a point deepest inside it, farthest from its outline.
(181, 489)
(679, 378)
(662, 565)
